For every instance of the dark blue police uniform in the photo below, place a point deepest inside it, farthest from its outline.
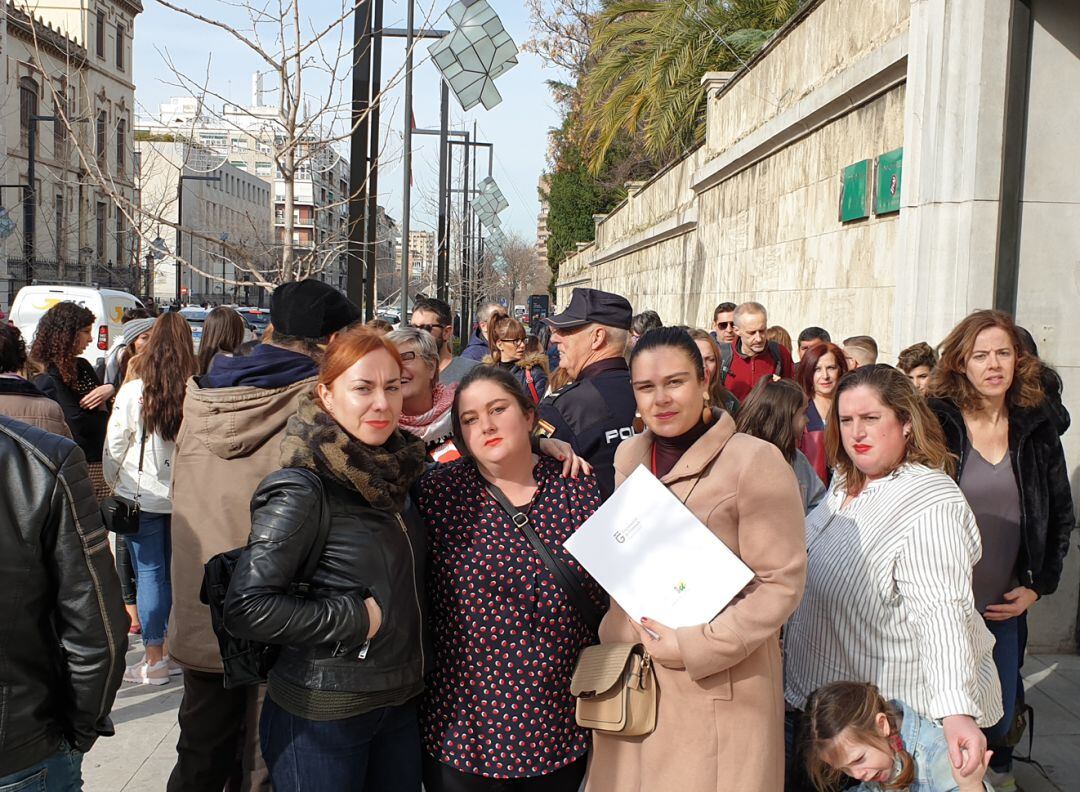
(594, 414)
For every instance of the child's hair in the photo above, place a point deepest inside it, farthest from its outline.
(849, 705)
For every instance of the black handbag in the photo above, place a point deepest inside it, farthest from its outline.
(244, 661)
(121, 515)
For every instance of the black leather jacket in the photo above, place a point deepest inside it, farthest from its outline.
(63, 627)
(368, 552)
(1042, 477)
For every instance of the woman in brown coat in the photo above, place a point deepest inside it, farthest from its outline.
(19, 399)
(720, 717)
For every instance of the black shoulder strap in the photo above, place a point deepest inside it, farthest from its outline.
(774, 348)
(563, 576)
(311, 563)
(727, 352)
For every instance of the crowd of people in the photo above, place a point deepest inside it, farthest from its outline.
(396, 515)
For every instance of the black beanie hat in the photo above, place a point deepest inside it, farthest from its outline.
(310, 309)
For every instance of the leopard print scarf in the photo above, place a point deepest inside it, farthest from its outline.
(382, 475)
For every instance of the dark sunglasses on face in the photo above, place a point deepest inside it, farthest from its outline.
(725, 325)
(427, 327)
(514, 341)
(407, 356)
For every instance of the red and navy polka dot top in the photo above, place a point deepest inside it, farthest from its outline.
(506, 636)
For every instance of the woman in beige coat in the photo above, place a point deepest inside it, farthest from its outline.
(720, 717)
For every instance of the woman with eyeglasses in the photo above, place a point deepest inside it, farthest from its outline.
(426, 402)
(506, 339)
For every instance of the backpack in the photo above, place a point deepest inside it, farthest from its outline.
(247, 662)
(727, 354)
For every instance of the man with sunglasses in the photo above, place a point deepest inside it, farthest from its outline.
(724, 323)
(434, 316)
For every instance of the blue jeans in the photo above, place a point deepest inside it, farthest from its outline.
(1010, 640)
(151, 554)
(378, 751)
(61, 772)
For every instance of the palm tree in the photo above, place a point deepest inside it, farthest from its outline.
(646, 63)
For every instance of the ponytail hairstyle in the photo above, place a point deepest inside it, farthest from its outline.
(671, 338)
(497, 376)
(852, 706)
(501, 327)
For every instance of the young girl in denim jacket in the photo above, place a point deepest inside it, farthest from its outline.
(851, 730)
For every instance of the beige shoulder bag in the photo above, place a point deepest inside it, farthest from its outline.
(615, 689)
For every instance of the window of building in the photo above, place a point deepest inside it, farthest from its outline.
(100, 34)
(28, 105)
(101, 228)
(58, 229)
(101, 134)
(121, 144)
(120, 47)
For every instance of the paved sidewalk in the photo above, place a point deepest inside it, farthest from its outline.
(141, 755)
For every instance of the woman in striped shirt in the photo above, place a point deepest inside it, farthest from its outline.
(890, 551)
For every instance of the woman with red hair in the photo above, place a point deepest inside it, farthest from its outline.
(820, 370)
(341, 700)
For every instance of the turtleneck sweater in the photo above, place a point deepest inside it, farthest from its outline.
(669, 450)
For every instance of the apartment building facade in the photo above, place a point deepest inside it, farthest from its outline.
(68, 89)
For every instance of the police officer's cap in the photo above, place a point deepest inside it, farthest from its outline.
(592, 306)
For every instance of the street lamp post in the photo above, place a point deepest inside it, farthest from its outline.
(467, 245)
(469, 57)
(371, 251)
(30, 206)
(359, 152)
(224, 239)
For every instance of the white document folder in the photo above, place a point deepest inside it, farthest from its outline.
(655, 558)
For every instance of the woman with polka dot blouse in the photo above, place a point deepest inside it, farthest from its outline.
(497, 712)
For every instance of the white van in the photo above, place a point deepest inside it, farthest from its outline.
(108, 306)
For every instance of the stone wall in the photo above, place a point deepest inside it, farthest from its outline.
(752, 214)
(1048, 288)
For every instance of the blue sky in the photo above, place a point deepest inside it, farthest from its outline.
(518, 126)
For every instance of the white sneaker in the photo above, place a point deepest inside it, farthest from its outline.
(142, 673)
(175, 669)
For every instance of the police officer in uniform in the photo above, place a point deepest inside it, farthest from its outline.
(595, 412)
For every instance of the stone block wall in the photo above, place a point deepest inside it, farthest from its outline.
(833, 35)
(767, 226)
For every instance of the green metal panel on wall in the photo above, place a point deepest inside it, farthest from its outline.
(855, 191)
(887, 181)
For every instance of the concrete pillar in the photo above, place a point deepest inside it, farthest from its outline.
(953, 133)
(1048, 287)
